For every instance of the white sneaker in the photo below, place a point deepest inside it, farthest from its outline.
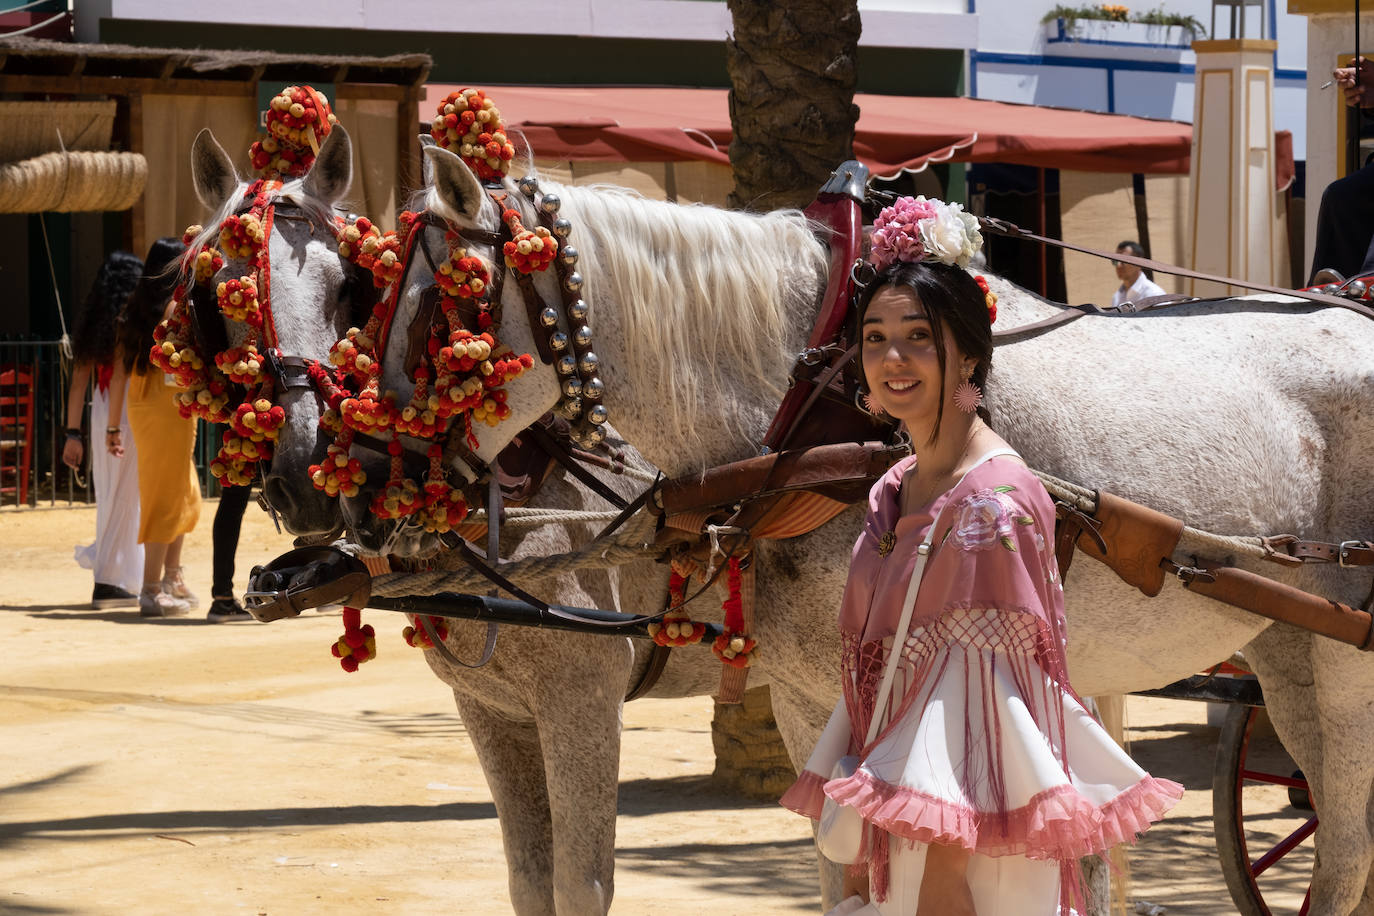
(175, 585)
(158, 601)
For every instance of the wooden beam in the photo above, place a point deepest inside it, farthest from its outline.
(118, 86)
(138, 214)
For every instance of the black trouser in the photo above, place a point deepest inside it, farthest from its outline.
(225, 537)
(1345, 226)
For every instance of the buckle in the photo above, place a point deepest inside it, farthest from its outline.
(304, 578)
(1344, 552)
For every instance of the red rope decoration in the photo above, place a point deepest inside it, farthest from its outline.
(418, 638)
(358, 643)
(733, 647)
(677, 629)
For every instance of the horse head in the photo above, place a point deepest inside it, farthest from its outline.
(457, 215)
(307, 296)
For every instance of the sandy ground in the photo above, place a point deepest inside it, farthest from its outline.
(178, 767)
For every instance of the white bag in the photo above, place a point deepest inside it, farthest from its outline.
(840, 831)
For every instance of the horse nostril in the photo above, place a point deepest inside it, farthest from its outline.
(278, 494)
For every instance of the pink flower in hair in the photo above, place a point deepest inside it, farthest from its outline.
(897, 231)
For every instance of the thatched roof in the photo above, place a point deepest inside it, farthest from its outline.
(37, 57)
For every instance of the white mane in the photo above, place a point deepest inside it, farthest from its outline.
(697, 281)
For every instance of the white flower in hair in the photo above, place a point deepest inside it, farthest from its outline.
(925, 229)
(948, 238)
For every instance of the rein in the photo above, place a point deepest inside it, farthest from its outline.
(1155, 303)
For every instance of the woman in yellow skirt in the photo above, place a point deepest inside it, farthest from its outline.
(169, 494)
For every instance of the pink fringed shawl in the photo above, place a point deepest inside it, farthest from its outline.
(992, 589)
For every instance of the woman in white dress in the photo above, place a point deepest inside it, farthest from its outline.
(115, 558)
(984, 779)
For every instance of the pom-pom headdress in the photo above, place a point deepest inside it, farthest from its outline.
(924, 229)
(469, 124)
(298, 120)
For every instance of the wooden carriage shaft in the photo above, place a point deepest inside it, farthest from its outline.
(456, 606)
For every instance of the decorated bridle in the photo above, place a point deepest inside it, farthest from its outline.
(460, 368)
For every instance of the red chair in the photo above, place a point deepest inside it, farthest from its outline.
(16, 431)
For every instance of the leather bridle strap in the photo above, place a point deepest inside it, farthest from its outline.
(556, 450)
(818, 387)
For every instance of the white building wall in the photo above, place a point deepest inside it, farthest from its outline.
(887, 23)
(1018, 60)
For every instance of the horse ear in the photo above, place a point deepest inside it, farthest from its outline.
(454, 182)
(212, 171)
(332, 171)
(426, 167)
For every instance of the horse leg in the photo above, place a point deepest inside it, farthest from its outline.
(1313, 690)
(581, 747)
(514, 768)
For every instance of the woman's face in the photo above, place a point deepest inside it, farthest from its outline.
(900, 361)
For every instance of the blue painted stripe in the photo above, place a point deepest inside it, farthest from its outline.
(1104, 63)
(1096, 63)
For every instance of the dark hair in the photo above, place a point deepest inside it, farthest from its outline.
(951, 299)
(93, 332)
(1133, 247)
(144, 307)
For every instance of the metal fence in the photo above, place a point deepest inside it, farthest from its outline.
(36, 372)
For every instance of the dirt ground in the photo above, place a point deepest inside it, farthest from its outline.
(177, 767)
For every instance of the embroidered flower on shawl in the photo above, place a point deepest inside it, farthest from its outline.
(985, 519)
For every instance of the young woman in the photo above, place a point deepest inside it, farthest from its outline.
(986, 780)
(115, 557)
(169, 494)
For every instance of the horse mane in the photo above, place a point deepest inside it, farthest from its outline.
(702, 294)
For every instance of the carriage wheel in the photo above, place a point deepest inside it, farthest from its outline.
(1252, 855)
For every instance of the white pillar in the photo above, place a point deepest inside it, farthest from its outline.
(1232, 173)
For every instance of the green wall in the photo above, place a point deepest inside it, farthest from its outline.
(542, 59)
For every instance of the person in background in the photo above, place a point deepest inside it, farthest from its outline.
(169, 494)
(224, 607)
(1135, 286)
(1344, 246)
(114, 557)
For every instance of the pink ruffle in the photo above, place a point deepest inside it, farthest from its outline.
(806, 796)
(1058, 823)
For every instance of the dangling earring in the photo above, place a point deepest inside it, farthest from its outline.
(968, 396)
(870, 406)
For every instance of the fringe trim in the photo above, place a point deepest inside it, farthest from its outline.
(1056, 824)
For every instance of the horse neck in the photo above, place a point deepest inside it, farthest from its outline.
(697, 316)
(1017, 305)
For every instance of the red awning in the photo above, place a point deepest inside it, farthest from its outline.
(637, 124)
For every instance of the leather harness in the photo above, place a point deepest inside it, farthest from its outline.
(822, 454)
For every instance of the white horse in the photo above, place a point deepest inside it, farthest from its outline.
(306, 267)
(1248, 417)
(699, 313)
(544, 714)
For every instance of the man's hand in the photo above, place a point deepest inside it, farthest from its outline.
(1361, 95)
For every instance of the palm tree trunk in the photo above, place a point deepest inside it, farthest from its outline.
(793, 68)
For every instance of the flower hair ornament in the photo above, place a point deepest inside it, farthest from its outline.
(925, 229)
